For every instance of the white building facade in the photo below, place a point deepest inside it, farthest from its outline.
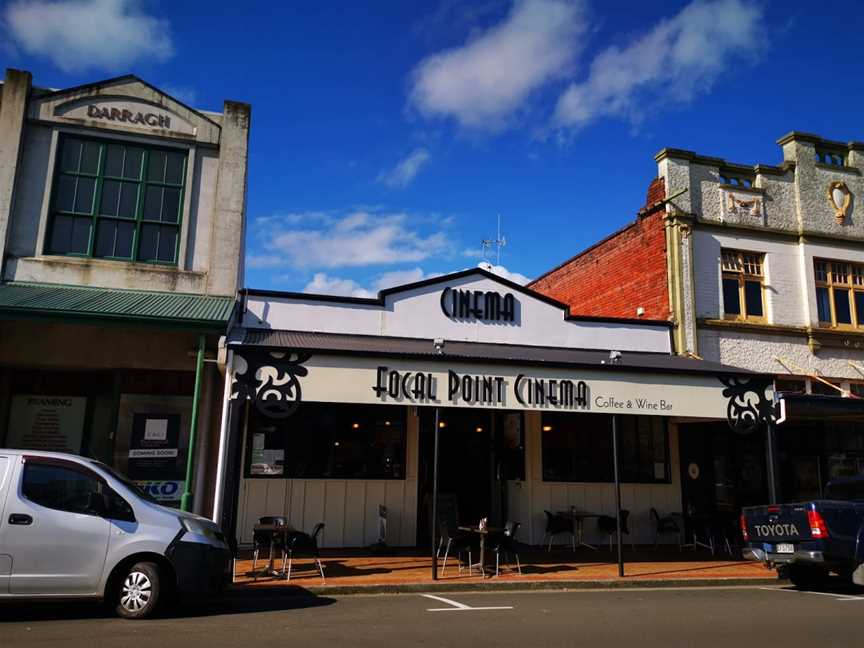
(122, 216)
(767, 273)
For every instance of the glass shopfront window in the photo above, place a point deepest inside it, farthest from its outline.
(328, 441)
(578, 448)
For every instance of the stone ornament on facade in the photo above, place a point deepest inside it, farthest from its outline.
(749, 405)
(738, 206)
(840, 198)
(270, 380)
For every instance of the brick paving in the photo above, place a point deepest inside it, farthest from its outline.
(354, 569)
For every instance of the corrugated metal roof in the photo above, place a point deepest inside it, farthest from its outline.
(23, 299)
(479, 351)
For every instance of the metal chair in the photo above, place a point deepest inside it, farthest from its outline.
(556, 525)
(667, 524)
(608, 525)
(299, 542)
(268, 539)
(459, 544)
(506, 544)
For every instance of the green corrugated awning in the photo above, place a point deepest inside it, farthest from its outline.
(30, 300)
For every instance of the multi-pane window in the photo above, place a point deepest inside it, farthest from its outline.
(743, 285)
(117, 200)
(839, 293)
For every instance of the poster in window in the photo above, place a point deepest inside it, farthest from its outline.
(154, 453)
(53, 423)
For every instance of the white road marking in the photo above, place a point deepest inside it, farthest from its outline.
(835, 596)
(456, 606)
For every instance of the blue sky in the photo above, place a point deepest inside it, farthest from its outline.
(387, 136)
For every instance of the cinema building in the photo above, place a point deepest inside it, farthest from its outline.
(331, 406)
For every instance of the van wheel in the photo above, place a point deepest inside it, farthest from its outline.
(806, 576)
(136, 595)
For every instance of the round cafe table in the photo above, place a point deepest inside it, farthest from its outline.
(482, 533)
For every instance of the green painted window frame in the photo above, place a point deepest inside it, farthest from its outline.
(100, 176)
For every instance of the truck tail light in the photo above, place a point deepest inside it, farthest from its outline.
(818, 528)
(744, 529)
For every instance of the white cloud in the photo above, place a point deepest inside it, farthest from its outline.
(323, 284)
(406, 170)
(482, 83)
(501, 271)
(401, 277)
(81, 34)
(676, 60)
(360, 238)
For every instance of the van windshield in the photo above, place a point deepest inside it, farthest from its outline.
(128, 483)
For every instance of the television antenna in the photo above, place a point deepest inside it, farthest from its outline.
(498, 243)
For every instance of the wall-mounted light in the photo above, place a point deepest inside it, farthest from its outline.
(355, 426)
(387, 423)
(336, 443)
(547, 428)
(478, 429)
(442, 424)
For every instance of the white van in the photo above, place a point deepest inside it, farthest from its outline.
(72, 527)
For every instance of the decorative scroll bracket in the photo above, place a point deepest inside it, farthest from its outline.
(749, 405)
(270, 380)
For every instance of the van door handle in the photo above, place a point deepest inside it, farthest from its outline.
(21, 519)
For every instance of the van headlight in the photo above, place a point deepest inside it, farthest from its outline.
(202, 528)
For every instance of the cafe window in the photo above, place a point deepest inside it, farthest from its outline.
(743, 285)
(578, 448)
(328, 441)
(839, 293)
(117, 200)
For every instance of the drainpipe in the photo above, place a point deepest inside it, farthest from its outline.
(218, 495)
(186, 499)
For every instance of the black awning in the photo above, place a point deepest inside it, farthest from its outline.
(794, 408)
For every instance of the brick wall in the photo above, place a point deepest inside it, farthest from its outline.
(620, 273)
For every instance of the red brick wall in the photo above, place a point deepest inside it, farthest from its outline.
(620, 273)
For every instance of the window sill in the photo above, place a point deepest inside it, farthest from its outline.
(749, 325)
(116, 264)
(751, 190)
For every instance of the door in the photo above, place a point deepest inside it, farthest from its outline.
(5, 558)
(50, 528)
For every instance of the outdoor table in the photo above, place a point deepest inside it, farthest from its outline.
(579, 518)
(482, 533)
(275, 530)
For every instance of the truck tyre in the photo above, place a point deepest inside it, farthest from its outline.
(136, 594)
(807, 576)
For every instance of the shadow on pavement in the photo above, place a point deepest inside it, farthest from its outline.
(230, 603)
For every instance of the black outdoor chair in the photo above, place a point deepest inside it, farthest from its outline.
(458, 544)
(667, 524)
(269, 540)
(606, 524)
(556, 525)
(507, 545)
(304, 543)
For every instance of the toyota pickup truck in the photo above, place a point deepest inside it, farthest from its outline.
(807, 541)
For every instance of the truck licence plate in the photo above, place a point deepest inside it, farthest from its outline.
(785, 548)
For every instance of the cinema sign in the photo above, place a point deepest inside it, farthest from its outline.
(425, 383)
(480, 305)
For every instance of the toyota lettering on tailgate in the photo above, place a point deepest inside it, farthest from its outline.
(766, 530)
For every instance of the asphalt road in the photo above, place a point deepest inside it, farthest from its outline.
(633, 618)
